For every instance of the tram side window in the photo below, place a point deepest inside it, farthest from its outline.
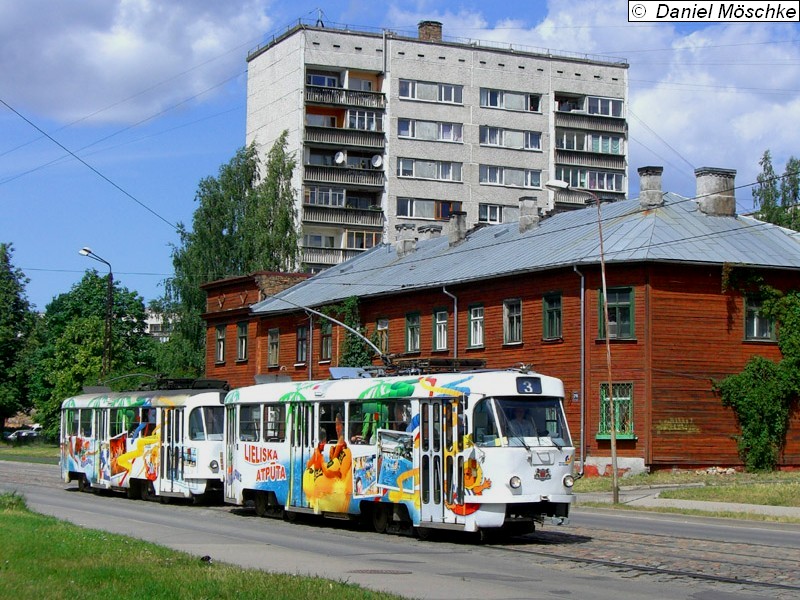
(274, 422)
(197, 431)
(71, 422)
(121, 418)
(249, 423)
(86, 422)
(329, 414)
(485, 429)
(215, 422)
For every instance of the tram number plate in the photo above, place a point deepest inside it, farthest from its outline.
(529, 385)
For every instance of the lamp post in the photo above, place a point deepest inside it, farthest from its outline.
(558, 185)
(106, 368)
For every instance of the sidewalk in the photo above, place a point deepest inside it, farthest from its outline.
(648, 497)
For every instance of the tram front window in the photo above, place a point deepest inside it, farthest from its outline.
(519, 422)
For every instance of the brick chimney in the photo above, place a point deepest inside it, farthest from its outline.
(430, 31)
(528, 213)
(650, 194)
(715, 191)
(428, 232)
(458, 227)
(406, 241)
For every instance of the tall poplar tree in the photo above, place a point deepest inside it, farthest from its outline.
(16, 320)
(776, 197)
(245, 221)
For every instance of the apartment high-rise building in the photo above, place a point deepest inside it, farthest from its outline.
(397, 133)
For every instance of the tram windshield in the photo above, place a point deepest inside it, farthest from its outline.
(515, 421)
(206, 423)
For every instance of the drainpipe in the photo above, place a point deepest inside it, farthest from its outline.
(455, 323)
(583, 369)
(310, 349)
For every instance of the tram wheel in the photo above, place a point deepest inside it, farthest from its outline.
(134, 491)
(424, 533)
(380, 517)
(147, 491)
(261, 505)
(289, 516)
(83, 484)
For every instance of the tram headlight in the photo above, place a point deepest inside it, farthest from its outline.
(515, 482)
(569, 481)
(214, 466)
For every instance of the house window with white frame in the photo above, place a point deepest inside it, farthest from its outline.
(412, 332)
(512, 321)
(421, 208)
(382, 333)
(440, 322)
(429, 169)
(273, 347)
(241, 341)
(510, 138)
(220, 346)
(434, 131)
(508, 100)
(608, 107)
(475, 325)
(510, 177)
(757, 325)
(430, 91)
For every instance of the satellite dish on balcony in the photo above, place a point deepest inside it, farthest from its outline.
(376, 161)
(338, 158)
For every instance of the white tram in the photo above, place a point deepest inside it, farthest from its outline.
(470, 451)
(160, 443)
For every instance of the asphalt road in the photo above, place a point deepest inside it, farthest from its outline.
(592, 558)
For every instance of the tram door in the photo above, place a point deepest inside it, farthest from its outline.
(231, 431)
(302, 448)
(172, 450)
(441, 462)
(101, 435)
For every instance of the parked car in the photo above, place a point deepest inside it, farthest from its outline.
(23, 435)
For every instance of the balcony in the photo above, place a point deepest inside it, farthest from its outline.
(342, 97)
(331, 215)
(334, 136)
(327, 256)
(594, 160)
(591, 122)
(370, 178)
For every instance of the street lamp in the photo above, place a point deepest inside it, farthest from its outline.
(106, 369)
(557, 185)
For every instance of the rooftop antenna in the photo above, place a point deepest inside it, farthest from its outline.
(319, 18)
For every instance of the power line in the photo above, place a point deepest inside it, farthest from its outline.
(86, 164)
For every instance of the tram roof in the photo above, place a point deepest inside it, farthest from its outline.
(136, 398)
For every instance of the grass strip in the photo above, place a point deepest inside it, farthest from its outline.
(42, 557)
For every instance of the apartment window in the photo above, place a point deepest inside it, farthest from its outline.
(362, 240)
(326, 341)
(620, 313)
(586, 179)
(475, 324)
(322, 79)
(220, 346)
(507, 176)
(490, 213)
(429, 169)
(622, 419)
(431, 92)
(757, 326)
(551, 307)
(324, 196)
(302, 344)
(312, 240)
(273, 347)
(365, 120)
(313, 120)
(412, 332)
(510, 138)
(430, 130)
(607, 144)
(512, 321)
(420, 208)
(569, 103)
(382, 333)
(570, 140)
(440, 321)
(241, 341)
(510, 100)
(605, 106)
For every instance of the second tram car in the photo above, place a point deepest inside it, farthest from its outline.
(160, 443)
(470, 451)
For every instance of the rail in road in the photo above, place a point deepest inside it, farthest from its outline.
(609, 561)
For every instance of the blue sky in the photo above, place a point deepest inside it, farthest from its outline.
(151, 96)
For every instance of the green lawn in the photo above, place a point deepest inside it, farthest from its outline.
(42, 557)
(38, 452)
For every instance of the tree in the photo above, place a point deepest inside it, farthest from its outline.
(355, 353)
(16, 321)
(243, 224)
(776, 198)
(65, 352)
